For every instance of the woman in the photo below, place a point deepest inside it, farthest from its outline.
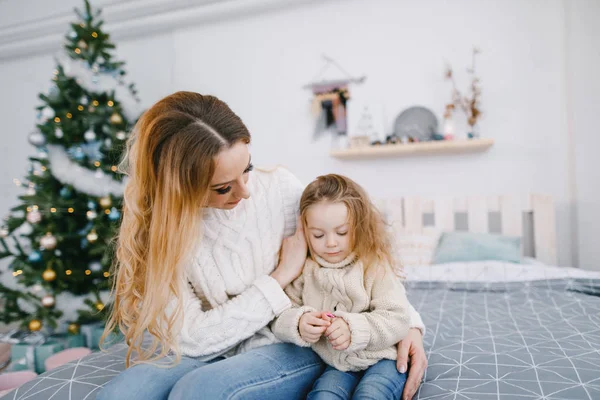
(201, 265)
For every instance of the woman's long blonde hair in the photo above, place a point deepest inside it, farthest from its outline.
(369, 237)
(169, 161)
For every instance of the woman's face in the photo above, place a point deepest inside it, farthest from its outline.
(228, 185)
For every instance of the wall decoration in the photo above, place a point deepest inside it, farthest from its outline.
(415, 124)
(330, 99)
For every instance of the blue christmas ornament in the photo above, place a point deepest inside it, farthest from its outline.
(92, 150)
(34, 257)
(72, 35)
(76, 152)
(65, 192)
(114, 214)
(91, 205)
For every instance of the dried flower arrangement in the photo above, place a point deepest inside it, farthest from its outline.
(467, 103)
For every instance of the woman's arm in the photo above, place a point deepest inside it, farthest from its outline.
(220, 328)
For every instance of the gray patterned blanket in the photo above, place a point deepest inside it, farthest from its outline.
(523, 340)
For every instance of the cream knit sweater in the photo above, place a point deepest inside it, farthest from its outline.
(231, 299)
(375, 308)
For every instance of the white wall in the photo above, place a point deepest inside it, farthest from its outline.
(258, 62)
(583, 36)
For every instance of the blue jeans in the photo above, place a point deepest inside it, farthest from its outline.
(380, 381)
(277, 371)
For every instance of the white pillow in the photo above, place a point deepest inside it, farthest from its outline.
(416, 249)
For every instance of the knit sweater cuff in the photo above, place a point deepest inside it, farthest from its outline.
(360, 330)
(416, 321)
(286, 326)
(274, 294)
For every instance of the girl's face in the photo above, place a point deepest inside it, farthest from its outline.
(228, 185)
(328, 231)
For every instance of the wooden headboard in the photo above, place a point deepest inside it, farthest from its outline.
(410, 214)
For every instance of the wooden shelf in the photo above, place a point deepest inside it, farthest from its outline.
(414, 149)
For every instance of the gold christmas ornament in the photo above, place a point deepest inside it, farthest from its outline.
(48, 241)
(92, 236)
(99, 305)
(48, 301)
(73, 329)
(35, 325)
(116, 118)
(49, 275)
(106, 202)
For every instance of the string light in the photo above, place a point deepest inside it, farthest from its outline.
(53, 210)
(97, 163)
(68, 272)
(94, 35)
(110, 103)
(77, 51)
(113, 168)
(88, 272)
(107, 211)
(69, 115)
(28, 209)
(106, 274)
(80, 107)
(18, 272)
(95, 103)
(44, 168)
(57, 120)
(55, 72)
(70, 210)
(35, 208)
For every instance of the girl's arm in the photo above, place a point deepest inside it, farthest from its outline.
(388, 320)
(285, 327)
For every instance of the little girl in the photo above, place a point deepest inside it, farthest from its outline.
(349, 305)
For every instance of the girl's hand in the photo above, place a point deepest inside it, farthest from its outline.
(311, 326)
(339, 334)
(292, 257)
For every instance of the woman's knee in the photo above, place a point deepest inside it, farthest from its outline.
(146, 381)
(267, 373)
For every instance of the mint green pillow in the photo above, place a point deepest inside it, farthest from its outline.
(467, 246)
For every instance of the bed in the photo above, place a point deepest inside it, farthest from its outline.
(495, 330)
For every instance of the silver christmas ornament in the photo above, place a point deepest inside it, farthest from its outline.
(89, 136)
(37, 139)
(48, 241)
(34, 216)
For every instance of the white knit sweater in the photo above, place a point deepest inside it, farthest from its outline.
(231, 298)
(374, 305)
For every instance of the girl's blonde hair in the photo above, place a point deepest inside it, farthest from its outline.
(169, 161)
(369, 237)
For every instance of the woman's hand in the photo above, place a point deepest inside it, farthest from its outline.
(412, 347)
(292, 257)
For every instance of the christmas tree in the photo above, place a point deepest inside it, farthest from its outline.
(59, 237)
